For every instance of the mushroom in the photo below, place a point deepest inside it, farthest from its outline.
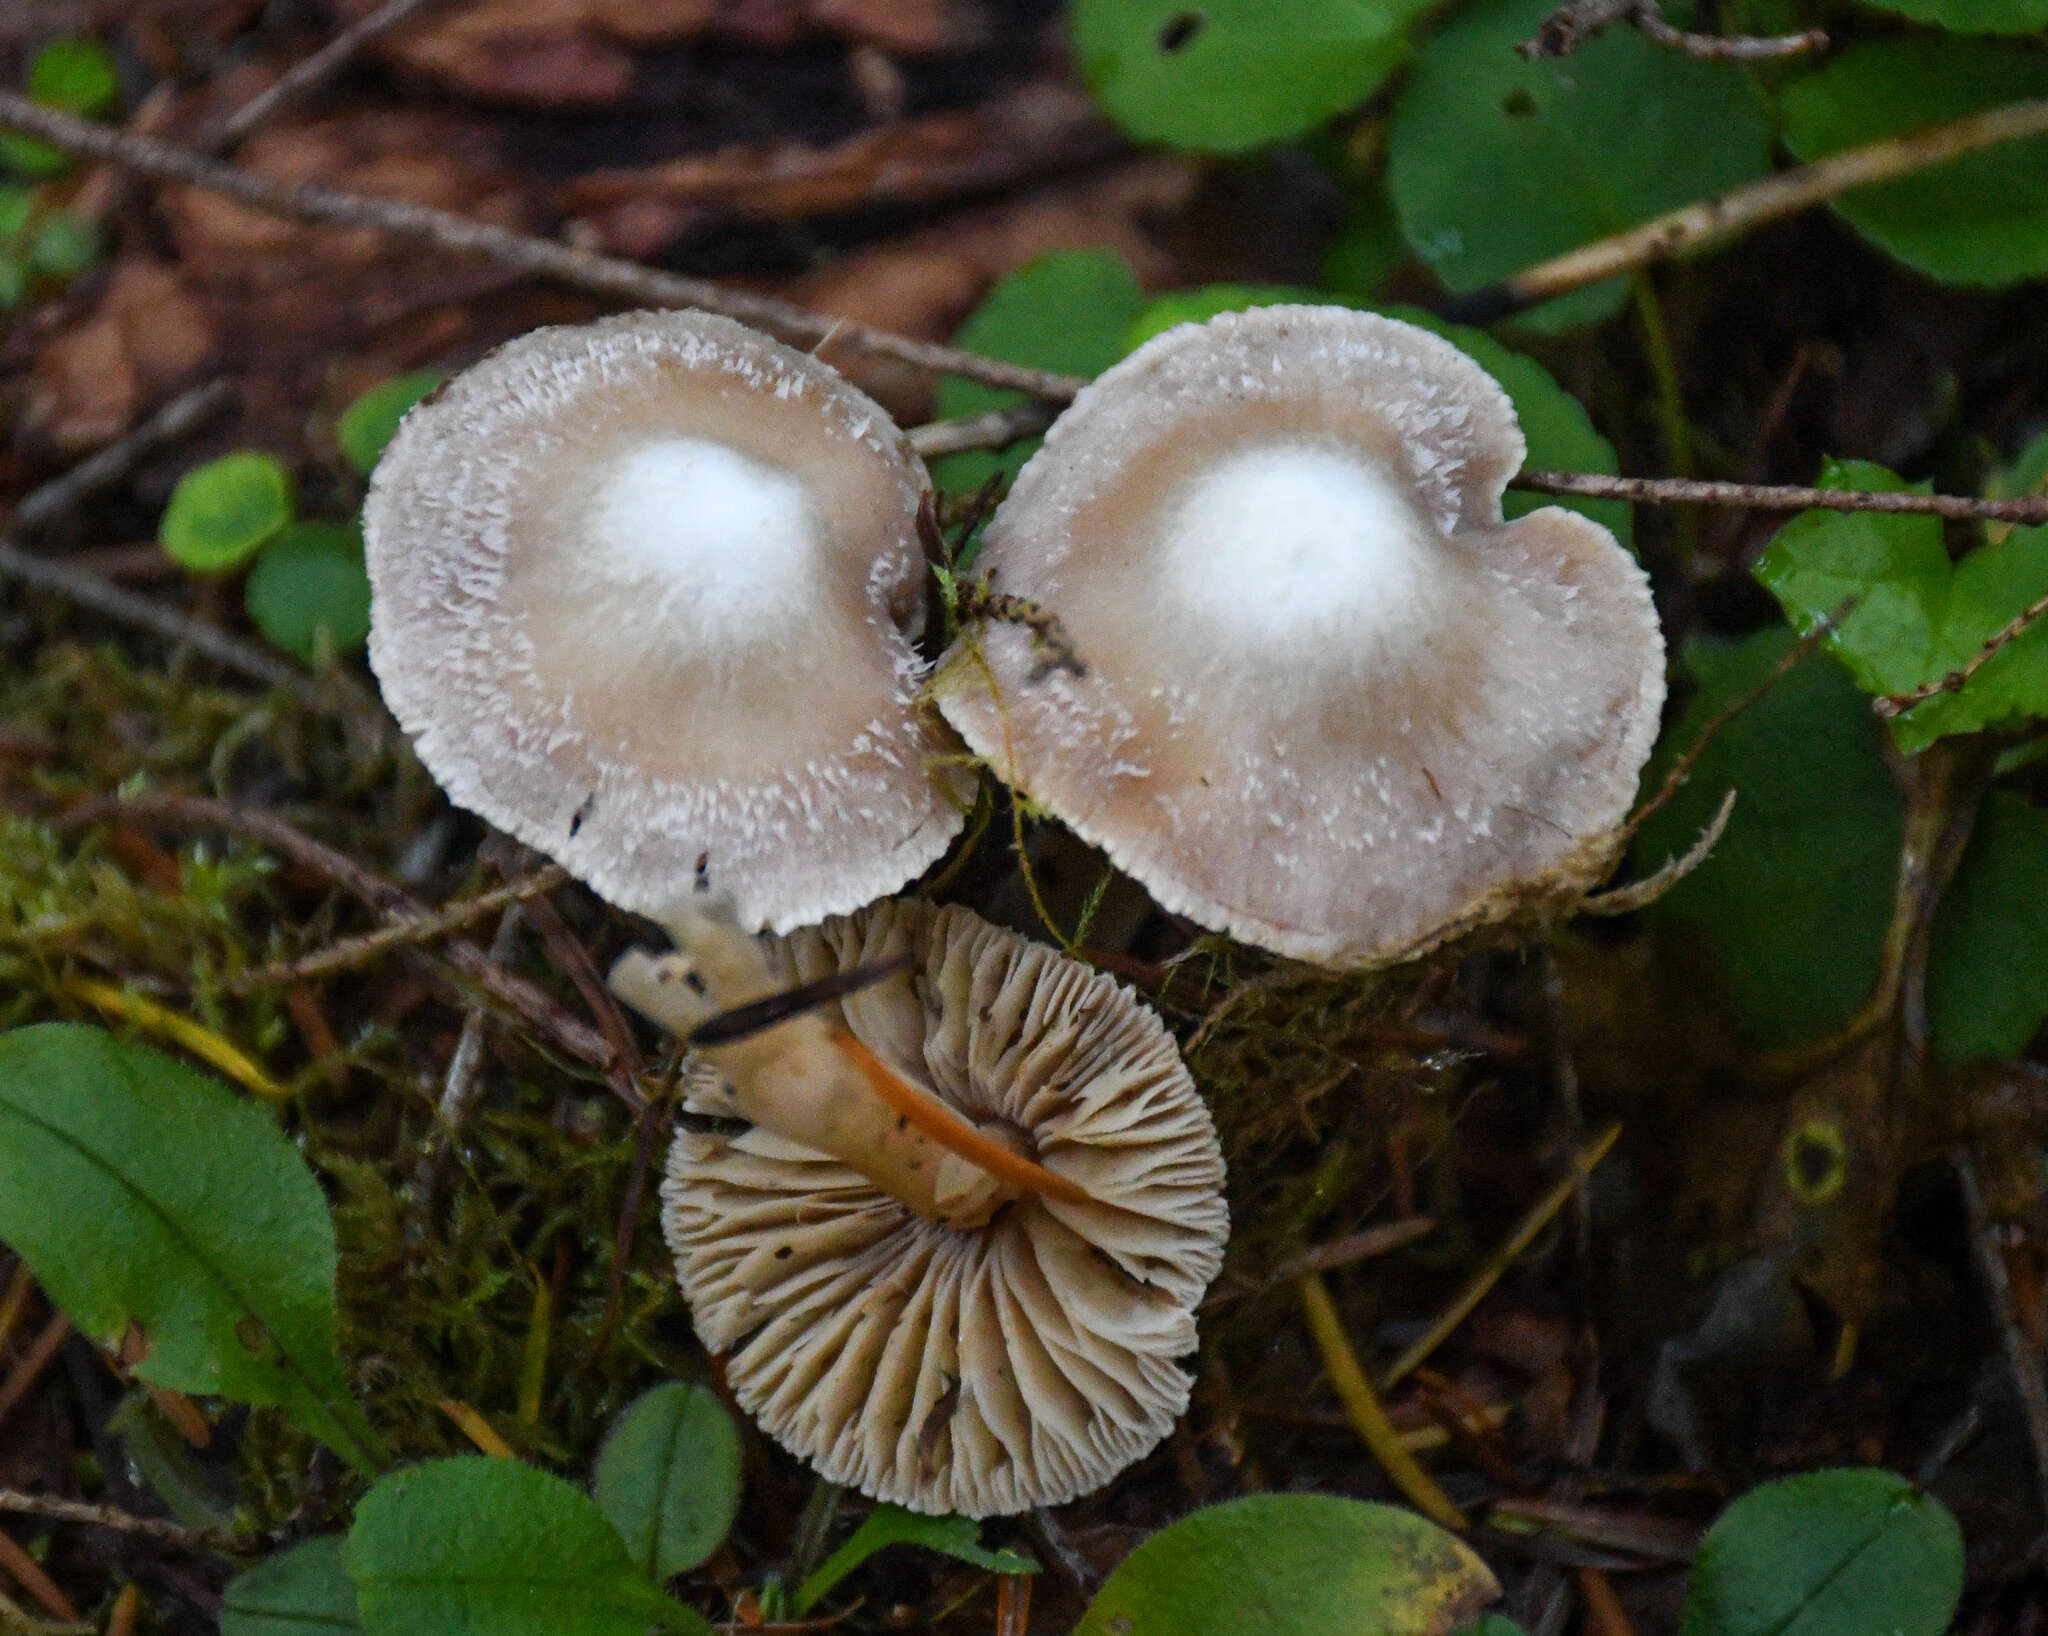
(1332, 704)
(645, 593)
(1019, 1354)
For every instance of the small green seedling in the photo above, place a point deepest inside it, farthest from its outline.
(222, 513)
(369, 423)
(309, 592)
(73, 76)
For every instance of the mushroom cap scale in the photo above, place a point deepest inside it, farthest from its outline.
(1333, 704)
(645, 594)
(987, 1371)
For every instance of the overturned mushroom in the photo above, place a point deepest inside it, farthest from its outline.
(1020, 1356)
(645, 593)
(1332, 704)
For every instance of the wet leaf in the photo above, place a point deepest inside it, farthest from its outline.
(140, 1191)
(886, 1525)
(668, 1477)
(369, 424)
(1307, 1564)
(1496, 163)
(304, 1591)
(1225, 75)
(1850, 1552)
(221, 513)
(469, 1545)
(1980, 219)
(309, 591)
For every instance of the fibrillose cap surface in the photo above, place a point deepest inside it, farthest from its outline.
(985, 1370)
(1333, 704)
(645, 593)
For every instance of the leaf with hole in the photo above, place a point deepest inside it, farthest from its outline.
(221, 513)
(1496, 163)
(668, 1476)
(141, 1192)
(886, 1525)
(1306, 1564)
(1980, 219)
(305, 1591)
(368, 424)
(474, 1545)
(1849, 1552)
(309, 592)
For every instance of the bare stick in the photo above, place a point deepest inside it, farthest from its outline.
(311, 71)
(1711, 221)
(180, 417)
(994, 430)
(1693, 491)
(537, 257)
(17, 1503)
(2022, 1358)
(1893, 704)
(1572, 24)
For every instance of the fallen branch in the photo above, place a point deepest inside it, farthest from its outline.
(1694, 491)
(310, 72)
(1889, 705)
(1577, 21)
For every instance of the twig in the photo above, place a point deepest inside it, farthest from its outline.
(2021, 1356)
(1640, 894)
(1694, 491)
(1889, 705)
(184, 414)
(14, 1501)
(996, 429)
(48, 1343)
(1711, 221)
(1572, 24)
(1339, 1252)
(17, 1565)
(1049, 640)
(537, 257)
(309, 72)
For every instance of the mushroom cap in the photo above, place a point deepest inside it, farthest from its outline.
(645, 593)
(1333, 704)
(980, 1372)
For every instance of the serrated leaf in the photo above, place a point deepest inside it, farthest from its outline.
(221, 513)
(1849, 1552)
(1987, 976)
(140, 1191)
(1917, 617)
(368, 425)
(1065, 312)
(1496, 163)
(886, 1525)
(472, 1545)
(1226, 75)
(1306, 1564)
(305, 1591)
(309, 590)
(668, 1477)
(1980, 219)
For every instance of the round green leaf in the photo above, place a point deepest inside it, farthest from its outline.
(368, 425)
(1306, 1564)
(301, 1592)
(1225, 75)
(309, 590)
(668, 1476)
(25, 156)
(1851, 1552)
(1496, 163)
(465, 1546)
(139, 1191)
(76, 75)
(221, 513)
(1980, 219)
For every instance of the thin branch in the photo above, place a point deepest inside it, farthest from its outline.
(1893, 704)
(1577, 21)
(17, 1503)
(177, 419)
(1640, 894)
(311, 72)
(1339, 1252)
(996, 429)
(536, 257)
(1712, 221)
(1693, 491)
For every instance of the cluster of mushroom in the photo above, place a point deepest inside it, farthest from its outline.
(647, 594)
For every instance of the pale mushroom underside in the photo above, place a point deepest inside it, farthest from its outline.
(979, 1372)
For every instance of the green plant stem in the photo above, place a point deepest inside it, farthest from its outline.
(1674, 431)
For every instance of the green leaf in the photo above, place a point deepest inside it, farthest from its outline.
(1795, 898)
(17, 208)
(1919, 617)
(309, 590)
(141, 1191)
(1496, 163)
(75, 75)
(886, 1525)
(300, 1592)
(1850, 1552)
(470, 1546)
(221, 513)
(64, 245)
(1980, 219)
(1225, 75)
(368, 424)
(1987, 969)
(1306, 1564)
(25, 156)
(668, 1476)
(1067, 312)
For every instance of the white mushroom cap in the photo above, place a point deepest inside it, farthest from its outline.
(981, 1371)
(645, 593)
(1332, 705)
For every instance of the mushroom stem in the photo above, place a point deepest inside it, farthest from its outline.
(813, 1083)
